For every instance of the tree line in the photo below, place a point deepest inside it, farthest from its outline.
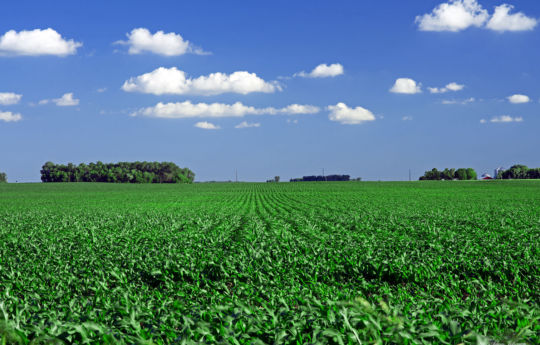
(122, 172)
(3, 177)
(519, 171)
(322, 178)
(450, 174)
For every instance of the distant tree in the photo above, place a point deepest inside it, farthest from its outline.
(533, 173)
(461, 174)
(448, 174)
(276, 179)
(3, 177)
(517, 171)
(432, 174)
(321, 178)
(122, 172)
(471, 174)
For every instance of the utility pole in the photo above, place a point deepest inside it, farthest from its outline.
(324, 177)
(236, 173)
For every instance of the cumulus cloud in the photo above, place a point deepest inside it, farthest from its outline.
(174, 81)
(8, 116)
(349, 116)
(323, 71)
(206, 125)
(449, 87)
(502, 20)
(462, 102)
(455, 15)
(102, 89)
(141, 40)
(66, 100)
(458, 15)
(37, 42)
(9, 98)
(245, 124)
(187, 109)
(503, 119)
(406, 86)
(517, 99)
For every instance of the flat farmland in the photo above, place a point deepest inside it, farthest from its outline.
(276, 263)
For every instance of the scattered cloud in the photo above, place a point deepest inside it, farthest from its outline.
(102, 89)
(187, 109)
(458, 15)
(206, 125)
(449, 87)
(293, 121)
(174, 81)
(245, 124)
(406, 86)
(517, 99)
(36, 42)
(323, 71)
(502, 20)
(503, 119)
(9, 98)
(8, 116)
(462, 102)
(349, 116)
(141, 40)
(66, 100)
(407, 118)
(455, 15)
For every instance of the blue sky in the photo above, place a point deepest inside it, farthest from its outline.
(88, 89)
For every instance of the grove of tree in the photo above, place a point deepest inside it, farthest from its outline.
(450, 174)
(122, 172)
(519, 171)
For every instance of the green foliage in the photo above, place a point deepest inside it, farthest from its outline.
(123, 172)
(450, 174)
(3, 177)
(520, 172)
(275, 263)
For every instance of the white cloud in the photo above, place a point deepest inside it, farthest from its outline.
(406, 86)
(483, 121)
(293, 121)
(349, 116)
(140, 40)
(187, 109)
(504, 119)
(37, 42)
(517, 99)
(174, 81)
(245, 124)
(9, 98)
(206, 125)
(458, 15)
(323, 71)
(462, 102)
(502, 20)
(449, 87)
(455, 15)
(8, 116)
(407, 118)
(101, 90)
(66, 100)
